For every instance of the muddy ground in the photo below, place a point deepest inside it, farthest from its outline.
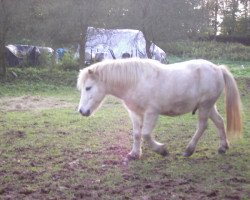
(68, 183)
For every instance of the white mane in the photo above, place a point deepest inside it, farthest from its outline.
(121, 71)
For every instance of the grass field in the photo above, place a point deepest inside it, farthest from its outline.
(48, 151)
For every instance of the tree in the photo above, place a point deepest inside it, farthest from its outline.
(4, 15)
(16, 19)
(230, 13)
(213, 9)
(163, 21)
(43, 21)
(244, 20)
(7, 21)
(70, 20)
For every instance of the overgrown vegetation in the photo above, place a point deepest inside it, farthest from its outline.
(68, 62)
(50, 76)
(43, 59)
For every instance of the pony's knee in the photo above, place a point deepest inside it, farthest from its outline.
(147, 137)
(220, 122)
(204, 125)
(217, 119)
(137, 135)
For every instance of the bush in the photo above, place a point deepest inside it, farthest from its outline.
(44, 59)
(32, 75)
(68, 62)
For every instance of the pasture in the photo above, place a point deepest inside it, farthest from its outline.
(49, 151)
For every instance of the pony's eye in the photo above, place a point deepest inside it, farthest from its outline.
(88, 88)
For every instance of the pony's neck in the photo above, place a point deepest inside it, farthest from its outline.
(118, 78)
(117, 91)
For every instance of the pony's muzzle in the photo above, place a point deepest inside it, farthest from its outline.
(84, 113)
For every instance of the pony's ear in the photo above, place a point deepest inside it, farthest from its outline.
(92, 74)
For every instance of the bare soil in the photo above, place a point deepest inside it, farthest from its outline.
(30, 103)
(165, 188)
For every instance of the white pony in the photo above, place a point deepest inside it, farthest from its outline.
(149, 89)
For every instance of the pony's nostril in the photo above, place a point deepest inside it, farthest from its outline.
(80, 111)
(87, 113)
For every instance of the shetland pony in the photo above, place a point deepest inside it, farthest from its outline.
(149, 89)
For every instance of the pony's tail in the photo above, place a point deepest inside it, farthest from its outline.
(233, 105)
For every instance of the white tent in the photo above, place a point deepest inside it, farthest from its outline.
(119, 43)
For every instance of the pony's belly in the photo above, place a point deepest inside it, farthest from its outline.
(179, 109)
(172, 113)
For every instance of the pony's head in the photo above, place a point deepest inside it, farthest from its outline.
(92, 91)
(112, 77)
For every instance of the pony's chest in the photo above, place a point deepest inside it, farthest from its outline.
(134, 106)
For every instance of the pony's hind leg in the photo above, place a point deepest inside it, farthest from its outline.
(202, 125)
(149, 122)
(137, 125)
(219, 123)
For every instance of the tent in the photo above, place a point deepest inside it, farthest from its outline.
(118, 43)
(16, 54)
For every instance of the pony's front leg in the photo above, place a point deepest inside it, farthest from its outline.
(137, 124)
(149, 122)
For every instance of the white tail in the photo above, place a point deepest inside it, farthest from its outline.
(233, 105)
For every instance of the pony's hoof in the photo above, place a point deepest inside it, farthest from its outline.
(129, 158)
(222, 150)
(187, 154)
(164, 152)
(189, 151)
(161, 149)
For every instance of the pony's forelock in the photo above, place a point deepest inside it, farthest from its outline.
(81, 78)
(84, 74)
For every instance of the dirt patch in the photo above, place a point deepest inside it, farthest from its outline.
(28, 103)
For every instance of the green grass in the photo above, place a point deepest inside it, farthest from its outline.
(208, 50)
(235, 56)
(57, 154)
(238, 68)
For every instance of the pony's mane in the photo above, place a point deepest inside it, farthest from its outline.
(121, 71)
